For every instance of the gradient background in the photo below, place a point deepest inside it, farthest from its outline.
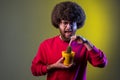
(25, 23)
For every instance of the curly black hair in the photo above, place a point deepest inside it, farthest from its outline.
(69, 11)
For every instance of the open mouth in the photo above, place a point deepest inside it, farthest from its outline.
(68, 33)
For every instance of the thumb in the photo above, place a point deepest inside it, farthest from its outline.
(61, 59)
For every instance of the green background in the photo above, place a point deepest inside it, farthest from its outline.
(25, 23)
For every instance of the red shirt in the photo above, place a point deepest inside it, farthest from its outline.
(50, 51)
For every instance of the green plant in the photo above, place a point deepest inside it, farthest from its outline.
(69, 49)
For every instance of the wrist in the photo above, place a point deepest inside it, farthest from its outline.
(85, 41)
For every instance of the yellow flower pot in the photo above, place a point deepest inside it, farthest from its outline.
(68, 57)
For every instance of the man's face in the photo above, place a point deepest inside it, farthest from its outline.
(67, 29)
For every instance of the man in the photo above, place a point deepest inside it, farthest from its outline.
(67, 17)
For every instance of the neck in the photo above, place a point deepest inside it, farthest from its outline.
(62, 38)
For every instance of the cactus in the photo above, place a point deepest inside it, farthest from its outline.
(69, 49)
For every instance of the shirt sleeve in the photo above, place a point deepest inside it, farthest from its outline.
(39, 66)
(97, 58)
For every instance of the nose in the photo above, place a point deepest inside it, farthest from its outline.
(69, 26)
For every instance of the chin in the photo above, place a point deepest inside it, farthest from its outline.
(67, 39)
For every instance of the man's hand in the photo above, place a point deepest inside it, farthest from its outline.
(59, 65)
(81, 39)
